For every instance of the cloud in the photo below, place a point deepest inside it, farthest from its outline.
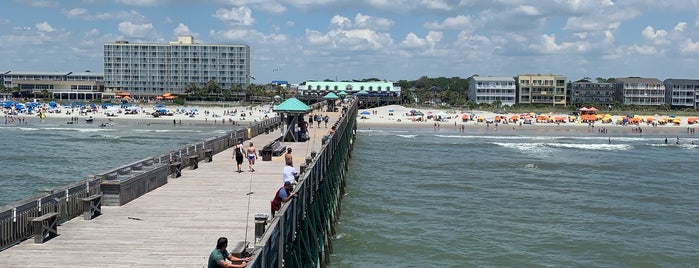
(182, 29)
(458, 22)
(365, 33)
(44, 27)
(143, 3)
(239, 15)
(689, 47)
(75, 13)
(131, 29)
(40, 3)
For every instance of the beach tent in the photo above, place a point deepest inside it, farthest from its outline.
(292, 111)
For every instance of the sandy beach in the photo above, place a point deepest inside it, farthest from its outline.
(210, 115)
(397, 116)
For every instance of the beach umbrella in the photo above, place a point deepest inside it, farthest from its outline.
(390, 110)
(365, 113)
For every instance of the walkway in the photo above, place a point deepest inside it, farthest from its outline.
(175, 225)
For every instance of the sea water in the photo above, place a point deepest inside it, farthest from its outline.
(39, 156)
(543, 197)
(551, 197)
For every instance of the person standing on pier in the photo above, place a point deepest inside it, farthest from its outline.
(283, 195)
(238, 155)
(288, 158)
(221, 258)
(252, 154)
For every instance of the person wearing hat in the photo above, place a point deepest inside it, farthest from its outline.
(283, 195)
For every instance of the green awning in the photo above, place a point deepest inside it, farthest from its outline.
(292, 105)
(331, 96)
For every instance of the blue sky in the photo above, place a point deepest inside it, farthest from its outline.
(298, 40)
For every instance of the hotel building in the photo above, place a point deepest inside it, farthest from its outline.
(371, 88)
(492, 89)
(542, 89)
(147, 70)
(84, 86)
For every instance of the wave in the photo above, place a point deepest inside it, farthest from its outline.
(549, 147)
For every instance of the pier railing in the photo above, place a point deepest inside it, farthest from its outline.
(119, 185)
(300, 234)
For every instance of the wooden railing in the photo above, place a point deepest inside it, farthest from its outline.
(122, 184)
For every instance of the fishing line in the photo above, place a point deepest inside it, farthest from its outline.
(247, 216)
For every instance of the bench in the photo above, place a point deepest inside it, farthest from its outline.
(175, 170)
(193, 161)
(45, 227)
(92, 206)
(277, 148)
(208, 155)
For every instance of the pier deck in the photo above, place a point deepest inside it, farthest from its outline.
(177, 224)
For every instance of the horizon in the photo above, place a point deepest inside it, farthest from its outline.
(353, 40)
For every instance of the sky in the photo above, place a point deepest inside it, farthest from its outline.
(299, 40)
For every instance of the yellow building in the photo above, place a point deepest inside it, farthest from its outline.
(542, 89)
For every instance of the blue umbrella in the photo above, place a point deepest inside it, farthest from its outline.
(365, 113)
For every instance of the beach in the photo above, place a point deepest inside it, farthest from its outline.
(396, 116)
(175, 114)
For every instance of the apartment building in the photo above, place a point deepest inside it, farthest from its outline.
(542, 89)
(491, 89)
(592, 93)
(639, 91)
(146, 70)
(682, 92)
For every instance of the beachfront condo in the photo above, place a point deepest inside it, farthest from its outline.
(147, 70)
(489, 89)
(591, 93)
(639, 91)
(682, 92)
(542, 89)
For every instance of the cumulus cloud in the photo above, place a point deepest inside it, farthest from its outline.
(237, 15)
(458, 22)
(76, 12)
(44, 27)
(131, 29)
(364, 33)
(182, 29)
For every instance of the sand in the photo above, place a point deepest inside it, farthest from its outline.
(397, 116)
(240, 115)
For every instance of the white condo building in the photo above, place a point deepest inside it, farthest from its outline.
(491, 89)
(146, 70)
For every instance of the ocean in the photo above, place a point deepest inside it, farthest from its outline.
(539, 197)
(553, 197)
(37, 156)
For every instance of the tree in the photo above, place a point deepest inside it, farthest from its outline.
(190, 89)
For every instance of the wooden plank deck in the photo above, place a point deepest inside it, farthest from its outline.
(175, 225)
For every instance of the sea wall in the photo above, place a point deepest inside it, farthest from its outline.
(300, 236)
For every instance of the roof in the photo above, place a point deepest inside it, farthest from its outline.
(637, 80)
(292, 105)
(331, 96)
(493, 78)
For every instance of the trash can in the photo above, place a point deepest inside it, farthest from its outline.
(260, 222)
(266, 153)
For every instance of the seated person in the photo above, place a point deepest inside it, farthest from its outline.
(221, 258)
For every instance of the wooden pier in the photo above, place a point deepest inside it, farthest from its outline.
(175, 225)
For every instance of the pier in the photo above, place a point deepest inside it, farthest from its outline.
(177, 222)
